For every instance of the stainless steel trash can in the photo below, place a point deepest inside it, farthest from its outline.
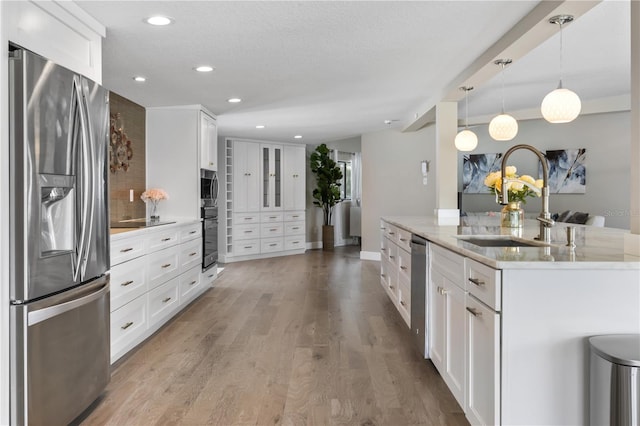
(614, 396)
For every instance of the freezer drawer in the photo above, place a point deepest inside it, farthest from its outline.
(60, 354)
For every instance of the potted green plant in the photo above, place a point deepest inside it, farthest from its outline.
(327, 192)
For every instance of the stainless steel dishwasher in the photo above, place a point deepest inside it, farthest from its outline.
(419, 294)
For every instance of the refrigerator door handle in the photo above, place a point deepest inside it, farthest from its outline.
(44, 314)
(85, 178)
(89, 165)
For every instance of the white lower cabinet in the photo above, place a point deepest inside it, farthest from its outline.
(395, 268)
(154, 273)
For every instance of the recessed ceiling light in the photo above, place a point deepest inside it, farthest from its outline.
(260, 126)
(204, 68)
(297, 137)
(139, 78)
(234, 100)
(159, 20)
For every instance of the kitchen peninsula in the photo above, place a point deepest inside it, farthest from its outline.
(508, 325)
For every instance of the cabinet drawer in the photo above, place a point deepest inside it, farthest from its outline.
(270, 217)
(128, 323)
(294, 228)
(269, 245)
(160, 240)
(448, 263)
(391, 232)
(208, 277)
(190, 232)
(404, 264)
(294, 216)
(404, 301)
(190, 255)
(393, 254)
(163, 301)
(246, 218)
(246, 247)
(404, 239)
(484, 283)
(271, 230)
(163, 265)
(295, 243)
(128, 281)
(127, 249)
(246, 232)
(190, 285)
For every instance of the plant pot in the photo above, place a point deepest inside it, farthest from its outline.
(327, 237)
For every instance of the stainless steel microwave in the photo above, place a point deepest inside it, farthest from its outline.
(208, 188)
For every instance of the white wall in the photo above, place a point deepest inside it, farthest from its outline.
(607, 140)
(392, 179)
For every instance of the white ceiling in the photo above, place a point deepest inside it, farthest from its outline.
(330, 70)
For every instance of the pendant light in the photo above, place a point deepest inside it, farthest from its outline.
(466, 140)
(561, 105)
(503, 127)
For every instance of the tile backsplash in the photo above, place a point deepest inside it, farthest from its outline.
(127, 159)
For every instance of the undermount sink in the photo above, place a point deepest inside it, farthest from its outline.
(500, 241)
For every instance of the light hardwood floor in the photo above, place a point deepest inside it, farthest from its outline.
(300, 340)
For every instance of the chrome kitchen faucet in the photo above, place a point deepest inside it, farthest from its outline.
(545, 217)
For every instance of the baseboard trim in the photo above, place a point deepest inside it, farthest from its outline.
(370, 255)
(313, 245)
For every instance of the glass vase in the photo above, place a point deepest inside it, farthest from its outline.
(512, 215)
(154, 211)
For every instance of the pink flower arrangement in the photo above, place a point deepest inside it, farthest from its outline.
(154, 195)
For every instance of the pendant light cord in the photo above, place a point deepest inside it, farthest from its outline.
(503, 64)
(560, 85)
(466, 108)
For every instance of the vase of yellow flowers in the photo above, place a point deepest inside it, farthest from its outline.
(519, 188)
(154, 196)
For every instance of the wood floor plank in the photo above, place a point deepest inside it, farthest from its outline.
(309, 339)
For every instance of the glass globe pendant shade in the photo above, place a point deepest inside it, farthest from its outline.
(561, 106)
(466, 140)
(503, 127)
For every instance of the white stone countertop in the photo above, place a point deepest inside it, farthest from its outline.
(596, 247)
(164, 223)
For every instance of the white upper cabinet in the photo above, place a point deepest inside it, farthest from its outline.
(208, 142)
(294, 189)
(246, 177)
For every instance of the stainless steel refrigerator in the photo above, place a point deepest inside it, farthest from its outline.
(59, 286)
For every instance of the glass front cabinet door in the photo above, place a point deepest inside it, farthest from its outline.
(271, 177)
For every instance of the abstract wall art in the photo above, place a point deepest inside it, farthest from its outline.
(567, 171)
(475, 168)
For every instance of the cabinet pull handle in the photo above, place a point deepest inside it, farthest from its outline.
(404, 268)
(127, 325)
(382, 275)
(442, 291)
(403, 239)
(248, 232)
(273, 229)
(382, 227)
(402, 303)
(383, 249)
(295, 227)
(166, 300)
(193, 232)
(273, 245)
(248, 218)
(166, 265)
(295, 216)
(391, 257)
(392, 233)
(126, 283)
(391, 287)
(192, 283)
(474, 312)
(166, 239)
(126, 250)
(248, 247)
(477, 281)
(193, 254)
(295, 242)
(273, 217)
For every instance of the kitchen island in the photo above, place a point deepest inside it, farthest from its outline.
(508, 326)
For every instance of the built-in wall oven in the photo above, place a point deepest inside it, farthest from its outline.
(209, 214)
